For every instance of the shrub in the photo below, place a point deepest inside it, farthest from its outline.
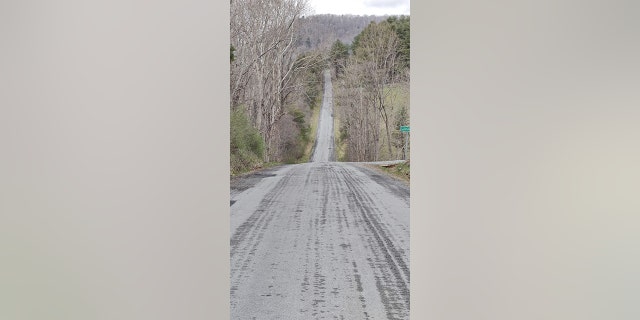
(247, 146)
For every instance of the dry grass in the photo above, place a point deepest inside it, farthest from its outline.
(401, 171)
(313, 123)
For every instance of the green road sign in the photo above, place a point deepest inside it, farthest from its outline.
(404, 128)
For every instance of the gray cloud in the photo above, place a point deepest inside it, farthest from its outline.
(386, 3)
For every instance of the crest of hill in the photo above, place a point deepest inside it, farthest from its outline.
(322, 30)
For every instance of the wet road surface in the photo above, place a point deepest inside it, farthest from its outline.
(320, 240)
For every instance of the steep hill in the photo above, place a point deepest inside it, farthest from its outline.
(321, 31)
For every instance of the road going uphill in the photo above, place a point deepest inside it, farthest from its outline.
(320, 240)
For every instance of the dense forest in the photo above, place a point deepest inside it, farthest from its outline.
(277, 56)
(321, 31)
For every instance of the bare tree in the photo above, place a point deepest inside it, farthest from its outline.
(377, 47)
(373, 81)
(263, 34)
(361, 125)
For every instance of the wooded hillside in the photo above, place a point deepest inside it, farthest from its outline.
(321, 31)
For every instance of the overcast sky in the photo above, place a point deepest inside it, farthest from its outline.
(361, 7)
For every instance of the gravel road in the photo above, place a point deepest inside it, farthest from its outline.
(323, 150)
(320, 240)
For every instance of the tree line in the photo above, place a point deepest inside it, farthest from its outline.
(320, 31)
(273, 83)
(372, 92)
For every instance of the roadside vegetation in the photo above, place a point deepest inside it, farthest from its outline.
(275, 84)
(313, 130)
(247, 147)
(372, 92)
(402, 170)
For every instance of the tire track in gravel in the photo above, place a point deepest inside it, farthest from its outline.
(326, 242)
(393, 279)
(249, 235)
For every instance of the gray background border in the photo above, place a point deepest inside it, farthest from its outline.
(114, 203)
